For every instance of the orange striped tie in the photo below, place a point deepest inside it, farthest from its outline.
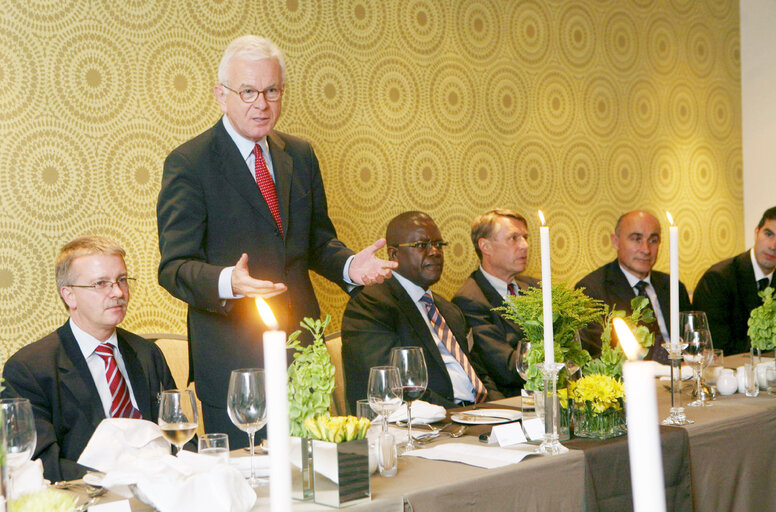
(446, 336)
(121, 403)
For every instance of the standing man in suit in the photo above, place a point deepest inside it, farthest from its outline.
(403, 312)
(727, 292)
(500, 239)
(241, 214)
(637, 240)
(88, 369)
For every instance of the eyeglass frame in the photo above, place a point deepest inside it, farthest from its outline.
(104, 286)
(423, 245)
(258, 93)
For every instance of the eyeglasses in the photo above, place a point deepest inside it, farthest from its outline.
(423, 245)
(103, 285)
(273, 93)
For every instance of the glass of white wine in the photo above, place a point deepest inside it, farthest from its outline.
(247, 407)
(178, 417)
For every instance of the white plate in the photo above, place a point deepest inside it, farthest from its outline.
(94, 479)
(486, 416)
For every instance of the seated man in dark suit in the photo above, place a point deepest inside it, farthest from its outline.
(75, 377)
(637, 239)
(500, 238)
(403, 312)
(727, 292)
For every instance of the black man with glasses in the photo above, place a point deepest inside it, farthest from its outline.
(241, 214)
(402, 311)
(88, 369)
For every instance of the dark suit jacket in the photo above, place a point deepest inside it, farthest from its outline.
(727, 292)
(495, 337)
(209, 212)
(609, 284)
(383, 316)
(52, 373)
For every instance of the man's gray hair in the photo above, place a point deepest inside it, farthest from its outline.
(250, 48)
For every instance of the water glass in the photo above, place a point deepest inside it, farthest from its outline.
(215, 445)
(750, 380)
(364, 410)
(387, 459)
(714, 366)
(770, 379)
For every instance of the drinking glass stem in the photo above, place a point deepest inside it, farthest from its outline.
(410, 443)
(250, 443)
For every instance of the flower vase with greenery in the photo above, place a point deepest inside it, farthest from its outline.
(597, 406)
(762, 323)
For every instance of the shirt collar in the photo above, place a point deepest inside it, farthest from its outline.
(244, 146)
(88, 343)
(758, 272)
(632, 280)
(499, 285)
(414, 291)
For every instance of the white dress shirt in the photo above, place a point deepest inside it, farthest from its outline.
(632, 280)
(758, 272)
(501, 286)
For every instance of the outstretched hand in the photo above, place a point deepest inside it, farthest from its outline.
(243, 284)
(366, 268)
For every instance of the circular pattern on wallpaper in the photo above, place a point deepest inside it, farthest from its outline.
(478, 27)
(460, 259)
(218, 23)
(395, 100)
(691, 235)
(534, 168)
(421, 25)
(137, 20)
(329, 90)
(731, 55)
(555, 103)
(25, 282)
(91, 82)
(177, 88)
(529, 30)
(643, 106)
(734, 173)
(580, 173)
(295, 21)
(683, 6)
(507, 98)
(597, 243)
(577, 36)
(682, 110)
(452, 96)
(482, 166)
(107, 224)
(360, 23)
(626, 172)
(665, 169)
(662, 44)
(600, 105)
(720, 113)
(700, 50)
(722, 232)
(364, 175)
(722, 9)
(425, 175)
(19, 76)
(44, 16)
(702, 173)
(53, 178)
(621, 38)
(566, 240)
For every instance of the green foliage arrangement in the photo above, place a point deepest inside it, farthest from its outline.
(762, 322)
(571, 311)
(610, 362)
(310, 377)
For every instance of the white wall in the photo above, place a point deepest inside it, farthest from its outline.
(758, 102)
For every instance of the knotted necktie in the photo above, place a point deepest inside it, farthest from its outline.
(512, 289)
(659, 353)
(448, 340)
(121, 403)
(762, 284)
(267, 186)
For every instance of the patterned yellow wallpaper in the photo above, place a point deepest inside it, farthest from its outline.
(583, 109)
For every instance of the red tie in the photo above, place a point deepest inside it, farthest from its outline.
(267, 187)
(512, 289)
(121, 406)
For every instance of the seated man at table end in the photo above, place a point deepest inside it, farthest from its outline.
(500, 238)
(403, 312)
(75, 377)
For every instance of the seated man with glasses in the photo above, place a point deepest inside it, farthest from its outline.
(88, 369)
(402, 311)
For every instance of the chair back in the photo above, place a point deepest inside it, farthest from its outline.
(334, 346)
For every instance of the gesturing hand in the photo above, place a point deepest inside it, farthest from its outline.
(244, 284)
(366, 268)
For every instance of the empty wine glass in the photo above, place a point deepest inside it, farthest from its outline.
(247, 408)
(697, 354)
(413, 373)
(523, 347)
(384, 391)
(20, 434)
(178, 416)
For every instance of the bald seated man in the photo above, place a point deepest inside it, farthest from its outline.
(636, 239)
(402, 311)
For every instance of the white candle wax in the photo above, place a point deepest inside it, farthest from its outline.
(278, 437)
(646, 461)
(549, 346)
(673, 236)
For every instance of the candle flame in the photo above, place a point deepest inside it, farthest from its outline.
(670, 218)
(266, 314)
(541, 218)
(628, 342)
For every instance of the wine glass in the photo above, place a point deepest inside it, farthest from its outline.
(384, 391)
(523, 347)
(178, 416)
(19, 432)
(413, 373)
(247, 407)
(698, 354)
(692, 320)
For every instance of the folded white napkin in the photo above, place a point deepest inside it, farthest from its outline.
(28, 478)
(190, 481)
(664, 370)
(120, 440)
(422, 412)
(488, 457)
(260, 464)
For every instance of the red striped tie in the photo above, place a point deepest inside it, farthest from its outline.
(121, 403)
(446, 337)
(267, 186)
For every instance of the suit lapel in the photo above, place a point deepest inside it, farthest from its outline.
(745, 275)
(283, 167)
(76, 378)
(617, 288)
(493, 297)
(136, 375)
